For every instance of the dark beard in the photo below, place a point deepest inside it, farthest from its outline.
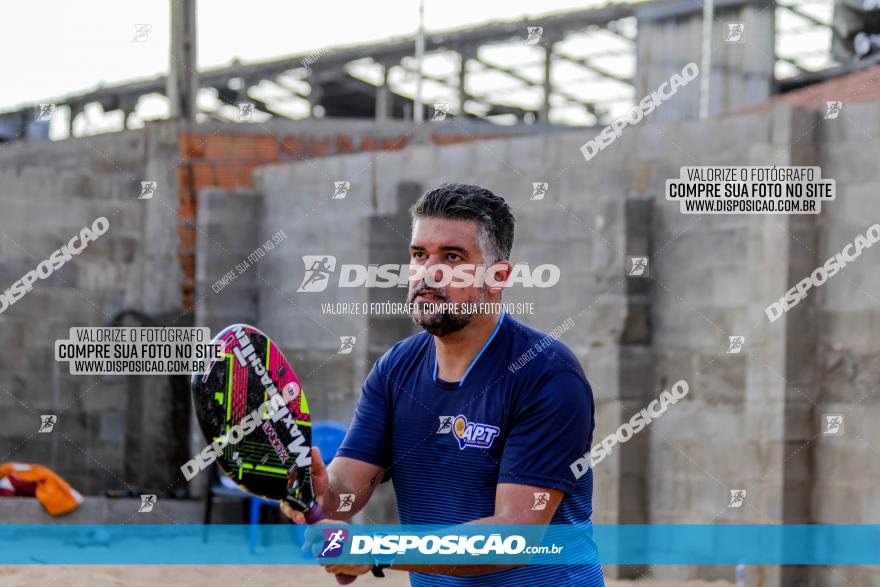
(445, 323)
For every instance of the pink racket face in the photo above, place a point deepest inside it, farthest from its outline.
(251, 397)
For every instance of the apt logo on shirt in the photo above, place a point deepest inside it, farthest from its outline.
(473, 434)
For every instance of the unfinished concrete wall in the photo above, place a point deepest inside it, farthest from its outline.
(225, 155)
(108, 433)
(745, 424)
(752, 419)
(113, 432)
(742, 68)
(577, 225)
(133, 431)
(298, 200)
(227, 283)
(847, 310)
(115, 152)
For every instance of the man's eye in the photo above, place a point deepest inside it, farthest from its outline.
(453, 257)
(418, 255)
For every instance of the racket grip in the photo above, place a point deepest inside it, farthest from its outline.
(316, 514)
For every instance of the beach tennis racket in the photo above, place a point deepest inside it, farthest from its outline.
(250, 405)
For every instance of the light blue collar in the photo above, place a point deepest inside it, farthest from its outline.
(477, 358)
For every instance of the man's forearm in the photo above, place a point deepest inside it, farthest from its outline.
(333, 502)
(338, 487)
(454, 570)
(464, 570)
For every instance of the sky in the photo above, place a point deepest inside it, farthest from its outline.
(54, 48)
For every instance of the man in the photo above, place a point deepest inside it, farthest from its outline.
(467, 432)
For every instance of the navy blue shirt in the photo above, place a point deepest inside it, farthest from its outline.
(448, 445)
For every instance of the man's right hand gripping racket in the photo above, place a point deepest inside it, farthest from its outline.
(250, 404)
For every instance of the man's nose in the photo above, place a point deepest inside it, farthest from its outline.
(432, 267)
(437, 270)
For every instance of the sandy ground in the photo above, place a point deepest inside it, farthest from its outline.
(224, 576)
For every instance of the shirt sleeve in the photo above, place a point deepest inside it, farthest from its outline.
(552, 428)
(369, 436)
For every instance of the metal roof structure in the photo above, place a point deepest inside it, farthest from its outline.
(566, 68)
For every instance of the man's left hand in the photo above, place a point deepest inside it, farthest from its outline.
(354, 570)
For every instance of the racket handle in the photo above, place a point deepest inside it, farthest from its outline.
(316, 514)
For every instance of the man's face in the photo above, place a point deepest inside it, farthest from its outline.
(436, 242)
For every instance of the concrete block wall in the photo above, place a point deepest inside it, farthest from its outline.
(578, 226)
(133, 431)
(113, 152)
(751, 419)
(112, 432)
(671, 37)
(226, 282)
(225, 155)
(743, 425)
(847, 309)
(298, 200)
(93, 445)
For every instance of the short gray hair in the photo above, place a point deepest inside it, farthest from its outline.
(458, 201)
